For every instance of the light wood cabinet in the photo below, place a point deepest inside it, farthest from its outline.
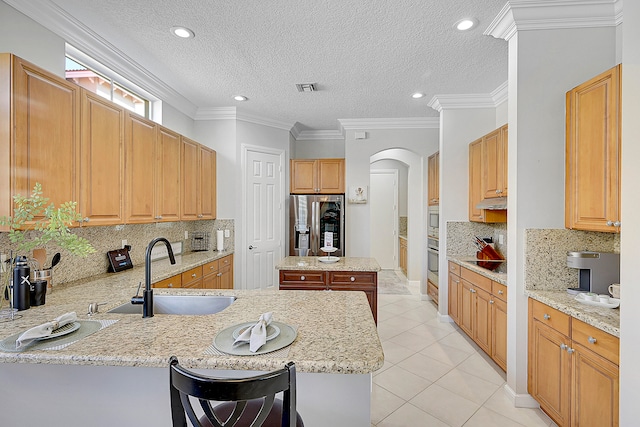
(171, 282)
(317, 176)
(40, 126)
(218, 274)
(198, 181)
(479, 164)
(101, 161)
(433, 187)
(593, 150)
(207, 183)
(573, 368)
(168, 175)
(479, 306)
(403, 254)
(310, 280)
(494, 160)
(475, 181)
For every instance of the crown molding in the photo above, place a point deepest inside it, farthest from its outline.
(382, 124)
(215, 113)
(264, 121)
(323, 135)
(74, 32)
(528, 15)
(501, 93)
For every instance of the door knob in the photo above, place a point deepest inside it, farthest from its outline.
(252, 247)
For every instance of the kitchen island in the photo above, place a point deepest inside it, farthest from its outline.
(119, 375)
(345, 274)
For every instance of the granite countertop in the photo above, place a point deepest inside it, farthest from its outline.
(466, 261)
(606, 319)
(336, 332)
(344, 264)
(402, 236)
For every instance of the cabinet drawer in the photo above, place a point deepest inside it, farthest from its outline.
(310, 277)
(211, 267)
(226, 261)
(191, 275)
(171, 282)
(476, 279)
(432, 291)
(596, 340)
(454, 268)
(550, 316)
(499, 290)
(351, 278)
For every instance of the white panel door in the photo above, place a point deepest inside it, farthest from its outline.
(263, 220)
(384, 217)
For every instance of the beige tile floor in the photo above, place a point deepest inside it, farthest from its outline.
(434, 375)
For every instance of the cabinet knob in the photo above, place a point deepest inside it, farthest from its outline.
(302, 278)
(473, 291)
(353, 279)
(211, 267)
(170, 285)
(500, 292)
(219, 274)
(200, 216)
(194, 275)
(491, 301)
(546, 316)
(85, 219)
(563, 346)
(497, 191)
(457, 281)
(570, 350)
(592, 340)
(616, 223)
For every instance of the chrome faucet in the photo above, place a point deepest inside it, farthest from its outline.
(147, 296)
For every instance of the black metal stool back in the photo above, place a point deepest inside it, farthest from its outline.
(249, 401)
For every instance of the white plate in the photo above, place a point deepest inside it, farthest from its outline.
(328, 259)
(272, 330)
(328, 249)
(613, 302)
(62, 330)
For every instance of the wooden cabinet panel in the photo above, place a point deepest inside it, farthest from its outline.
(551, 317)
(494, 161)
(303, 176)
(171, 282)
(475, 181)
(190, 180)
(331, 176)
(455, 268)
(593, 143)
(403, 255)
(432, 291)
(40, 126)
(596, 340)
(192, 278)
(102, 161)
(466, 308)
(140, 166)
(168, 175)
(433, 187)
(499, 291)
(482, 321)
(455, 290)
(499, 331)
(218, 274)
(207, 185)
(313, 176)
(303, 278)
(478, 280)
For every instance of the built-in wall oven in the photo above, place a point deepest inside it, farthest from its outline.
(432, 260)
(433, 220)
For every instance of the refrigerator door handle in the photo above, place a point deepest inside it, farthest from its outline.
(315, 224)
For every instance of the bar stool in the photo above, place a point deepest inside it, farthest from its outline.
(247, 402)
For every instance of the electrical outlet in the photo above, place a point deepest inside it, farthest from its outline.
(501, 239)
(186, 235)
(124, 242)
(227, 233)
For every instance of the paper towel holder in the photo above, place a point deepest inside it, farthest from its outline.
(220, 240)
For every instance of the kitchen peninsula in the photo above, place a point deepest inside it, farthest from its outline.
(345, 274)
(119, 375)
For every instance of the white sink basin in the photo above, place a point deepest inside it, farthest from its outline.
(180, 304)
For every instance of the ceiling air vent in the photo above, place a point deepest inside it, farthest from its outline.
(306, 87)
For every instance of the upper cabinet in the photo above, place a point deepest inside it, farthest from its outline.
(40, 127)
(488, 175)
(433, 188)
(592, 196)
(198, 183)
(317, 176)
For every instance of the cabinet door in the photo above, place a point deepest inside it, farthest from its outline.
(171, 282)
(455, 290)
(140, 162)
(226, 277)
(207, 184)
(503, 170)
(550, 371)
(494, 162)
(499, 332)
(595, 392)
(466, 308)
(482, 323)
(304, 179)
(102, 161)
(403, 255)
(331, 176)
(475, 181)
(46, 135)
(190, 179)
(433, 187)
(592, 195)
(169, 169)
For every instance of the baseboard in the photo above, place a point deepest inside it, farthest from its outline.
(425, 297)
(415, 283)
(523, 400)
(445, 318)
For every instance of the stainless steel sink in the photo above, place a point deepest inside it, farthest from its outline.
(180, 304)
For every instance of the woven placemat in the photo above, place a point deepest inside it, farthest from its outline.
(87, 327)
(276, 354)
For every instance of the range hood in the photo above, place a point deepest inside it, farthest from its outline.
(495, 204)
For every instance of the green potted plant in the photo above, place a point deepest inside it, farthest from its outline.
(53, 227)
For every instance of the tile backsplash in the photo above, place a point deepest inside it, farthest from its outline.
(402, 225)
(460, 237)
(106, 238)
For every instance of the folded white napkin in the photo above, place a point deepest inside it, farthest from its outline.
(256, 335)
(45, 329)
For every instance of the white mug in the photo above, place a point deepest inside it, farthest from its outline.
(614, 290)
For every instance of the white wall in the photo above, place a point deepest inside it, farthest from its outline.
(403, 178)
(29, 40)
(319, 149)
(630, 314)
(178, 121)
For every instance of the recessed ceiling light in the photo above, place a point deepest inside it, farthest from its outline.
(240, 98)
(417, 95)
(183, 32)
(465, 24)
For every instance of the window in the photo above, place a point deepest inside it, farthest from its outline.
(98, 82)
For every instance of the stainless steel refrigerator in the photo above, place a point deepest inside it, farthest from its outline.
(310, 217)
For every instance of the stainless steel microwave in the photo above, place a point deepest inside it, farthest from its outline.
(433, 220)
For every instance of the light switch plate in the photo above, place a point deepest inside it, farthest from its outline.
(227, 233)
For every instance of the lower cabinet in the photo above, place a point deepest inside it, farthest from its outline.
(403, 255)
(573, 368)
(305, 280)
(432, 291)
(217, 274)
(479, 306)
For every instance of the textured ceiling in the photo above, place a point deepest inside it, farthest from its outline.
(366, 56)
